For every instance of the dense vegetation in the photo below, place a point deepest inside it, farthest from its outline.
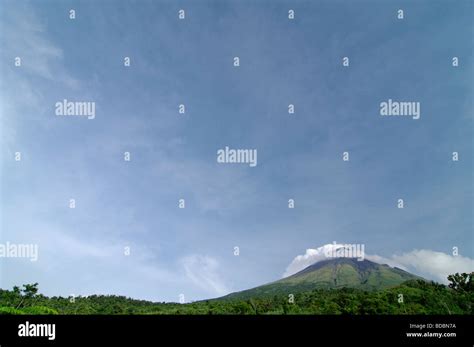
(411, 297)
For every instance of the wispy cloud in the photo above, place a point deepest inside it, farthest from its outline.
(26, 36)
(203, 271)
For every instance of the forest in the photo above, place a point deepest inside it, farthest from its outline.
(411, 297)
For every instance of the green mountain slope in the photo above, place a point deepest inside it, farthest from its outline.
(332, 274)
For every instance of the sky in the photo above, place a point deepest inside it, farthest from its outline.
(134, 204)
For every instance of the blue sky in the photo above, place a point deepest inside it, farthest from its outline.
(135, 204)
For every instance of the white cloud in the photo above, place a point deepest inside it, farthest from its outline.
(384, 260)
(203, 272)
(434, 265)
(428, 264)
(310, 257)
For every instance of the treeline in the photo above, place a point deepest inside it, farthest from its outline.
(412, 297)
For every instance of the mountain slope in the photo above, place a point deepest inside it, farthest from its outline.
(332, 273)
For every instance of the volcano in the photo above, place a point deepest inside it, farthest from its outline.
(333, 273)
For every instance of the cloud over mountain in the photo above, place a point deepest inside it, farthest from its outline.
(426, 263)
